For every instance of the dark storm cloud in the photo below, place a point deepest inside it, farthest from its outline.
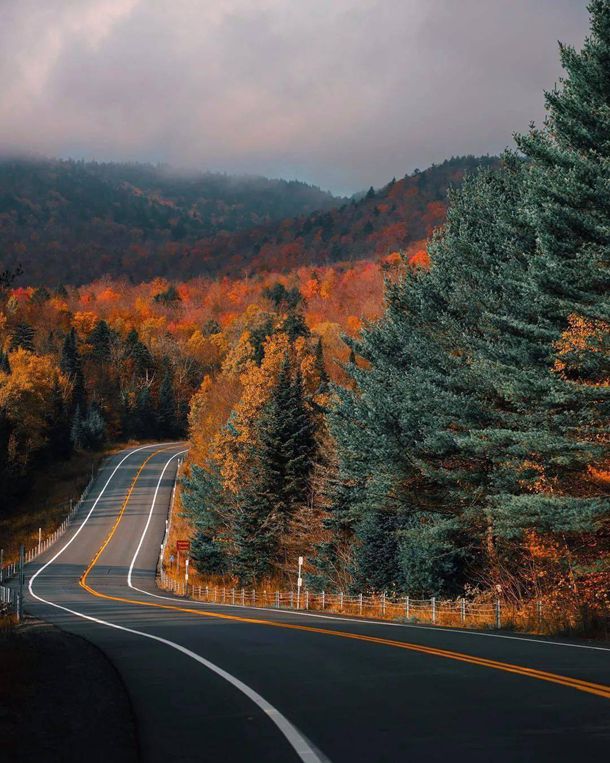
(341, 92)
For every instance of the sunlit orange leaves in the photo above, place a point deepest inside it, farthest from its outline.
(108, 296)
(354, 324)
(421, 259)
(84, 322)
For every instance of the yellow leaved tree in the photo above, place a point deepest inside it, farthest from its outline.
(26, 397)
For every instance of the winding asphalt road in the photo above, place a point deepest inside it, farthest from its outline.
(212, 682)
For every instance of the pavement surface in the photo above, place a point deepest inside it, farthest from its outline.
(213, 682)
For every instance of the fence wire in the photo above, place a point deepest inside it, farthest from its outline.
(10, 596)
(436, 611)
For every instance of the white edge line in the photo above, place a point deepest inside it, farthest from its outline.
(301, 613)
(357, 620)
(76, 534)
(150, 514)
(298, 742)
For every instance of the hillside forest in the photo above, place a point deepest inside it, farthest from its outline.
(73, 222)
(416, 417)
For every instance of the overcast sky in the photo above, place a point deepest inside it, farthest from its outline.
(342, 93)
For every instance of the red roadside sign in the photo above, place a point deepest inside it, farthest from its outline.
(183, 545)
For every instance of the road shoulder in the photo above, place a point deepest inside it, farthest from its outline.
(61, 699)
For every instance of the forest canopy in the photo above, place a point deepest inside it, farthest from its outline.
(73, 222)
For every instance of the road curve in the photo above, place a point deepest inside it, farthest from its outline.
(210, 682)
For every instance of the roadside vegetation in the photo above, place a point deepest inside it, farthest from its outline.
(433, 423)
(466, 446)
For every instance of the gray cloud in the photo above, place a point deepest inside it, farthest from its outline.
(343, 93)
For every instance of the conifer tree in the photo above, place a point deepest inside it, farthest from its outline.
(5, 365)
(60, 440)
(143, 415)
(135, 349)
(167, 419)
(320, 367)
(76, 428)
(376, 559)
(8, 473)
(470, 406)
(205, 502)
(93, 429)
(100, 340)
(256, 530)
(41, 295)
(567, 202)
(332, 561)
(22, 336)
(282, 462)
(287, 444)
(71, 366)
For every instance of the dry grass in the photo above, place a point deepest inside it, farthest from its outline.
(534, 617)
(180, 529)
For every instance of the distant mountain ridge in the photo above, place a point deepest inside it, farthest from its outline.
(73, 219)
(73, 222)
(396, 216)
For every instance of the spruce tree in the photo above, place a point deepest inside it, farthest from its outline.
(71, 365)
(138, 352)
(400, 430)
(469, 406)
(295, 325)
(287, 444)
(143, 416)
(567, 202)
(93, 428)
(70, 358)
(76, 428)
(205, 503)
(22, 337)
(100, 340)
(167, 419)
(5, 365)
(280, 479)
(8, 473)
(60, 441)
(41, 295)
(320, 367)
(256, 531)
(376, 559)
(332, 563)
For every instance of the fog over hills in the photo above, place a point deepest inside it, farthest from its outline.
(72, 221)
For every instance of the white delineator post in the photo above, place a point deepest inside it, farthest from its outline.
(299, 582)
(186, 575)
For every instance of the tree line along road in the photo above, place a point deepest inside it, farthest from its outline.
(211, 681)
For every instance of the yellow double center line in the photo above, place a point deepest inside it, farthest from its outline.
(599, 690)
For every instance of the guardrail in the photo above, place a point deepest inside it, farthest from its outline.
(10, 598)
(436, 611)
